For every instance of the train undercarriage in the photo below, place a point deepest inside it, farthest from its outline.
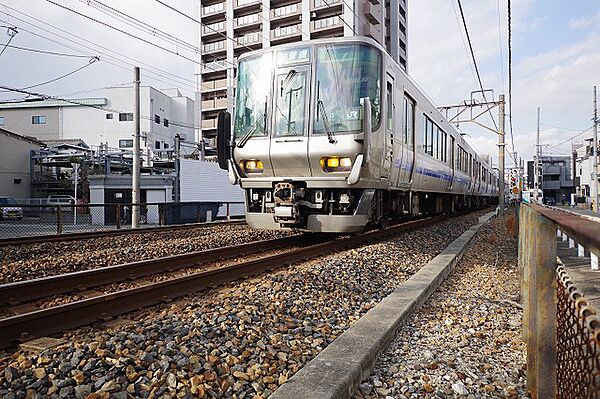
(294, 205)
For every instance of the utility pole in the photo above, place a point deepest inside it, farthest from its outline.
(177, 166)
(135, 175)
(536, 163)
(595, 156)
(501, 145)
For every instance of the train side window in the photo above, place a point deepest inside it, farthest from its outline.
(425, 133)
(435, 141)
(409, 120)
(430, 138)
(389, 105)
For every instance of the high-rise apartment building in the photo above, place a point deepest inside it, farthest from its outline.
(232, 27)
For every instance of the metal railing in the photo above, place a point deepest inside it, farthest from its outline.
(560, 328)
(25, 220)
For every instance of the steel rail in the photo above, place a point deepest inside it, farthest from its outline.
(40, 239)
(53, 320)
(43, 287)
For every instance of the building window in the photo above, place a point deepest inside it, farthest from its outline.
(109, 116)
(2, 121)
(125, 117)
(166, 145)
(38, 120)
(126, 143)
(166, 122)
(157, 145)
(156, 119)
(17, 181)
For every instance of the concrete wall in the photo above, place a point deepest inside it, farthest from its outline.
(14, 164)
(20, 121)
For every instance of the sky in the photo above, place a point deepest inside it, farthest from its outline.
(555, 58)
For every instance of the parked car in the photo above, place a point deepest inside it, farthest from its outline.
(551, 201)
(60, 200)
(9, 209)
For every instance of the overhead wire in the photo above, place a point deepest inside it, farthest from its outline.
(123, 31)
(39, 51)
(89, 63)
(156, 73)
(462, 14)
(343, 19)
(510, 123)
(12, 32)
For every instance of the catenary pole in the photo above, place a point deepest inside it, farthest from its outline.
(536, 164)
(595, 156)
(135, 175)
(501, 150)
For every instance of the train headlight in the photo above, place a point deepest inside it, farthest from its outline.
(251, 166)
(336, 164)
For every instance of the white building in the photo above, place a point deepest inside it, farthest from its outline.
(107, 119)
(583, 170)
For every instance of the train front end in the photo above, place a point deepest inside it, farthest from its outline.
(298, 145)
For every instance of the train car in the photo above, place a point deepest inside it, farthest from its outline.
(332, 136)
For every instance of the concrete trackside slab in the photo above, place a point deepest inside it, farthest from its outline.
(339, 368)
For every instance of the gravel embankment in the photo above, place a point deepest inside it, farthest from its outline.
(465, 341)
(29, 261)
(241, 340)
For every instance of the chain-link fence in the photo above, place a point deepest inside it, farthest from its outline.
(25, 220)
(560, 327)
(577, 342)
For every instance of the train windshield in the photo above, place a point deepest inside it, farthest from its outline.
(253, 87)
(345, 74)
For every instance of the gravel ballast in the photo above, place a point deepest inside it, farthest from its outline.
(466, 340)
(240, 340)
(28, 261)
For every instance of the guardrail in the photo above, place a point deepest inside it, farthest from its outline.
(34, 220)
(561, 329)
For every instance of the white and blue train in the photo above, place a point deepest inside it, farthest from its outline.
(332, 136)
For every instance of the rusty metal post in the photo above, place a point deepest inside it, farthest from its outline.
(540, 265)
(524, 239)
(118, 215)
(59, 227)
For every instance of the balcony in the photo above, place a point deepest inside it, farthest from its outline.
(214, 103)
(248, 39)
(284, 32)
(213, 47)
(246, 4)
(320, 25)
(216, 28)
(247, 20)
(214, 85)
(286, 11)
(214, 66)
(213, 9)
(551, 170)
(320, 4)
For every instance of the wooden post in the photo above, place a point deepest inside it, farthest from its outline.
(540, 267)
(118, 215)
(59, 227)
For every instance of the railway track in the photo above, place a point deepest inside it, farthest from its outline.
(40, 239)
(44, 322)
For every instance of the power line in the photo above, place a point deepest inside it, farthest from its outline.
(462, 36)
(500, 46)
(201, 23)
(11, 32)
(462, 14)
(34, 50)
(123, 31)
(510, 124)
(150, 69)
(139, 24)
(90, 62)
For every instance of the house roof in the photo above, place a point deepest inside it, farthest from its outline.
(21, 137)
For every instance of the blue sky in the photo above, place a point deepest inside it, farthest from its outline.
(556, 57)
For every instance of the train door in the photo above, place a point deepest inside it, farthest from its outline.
(408, 139)
(397, 144)
(289, 129)
(387, 155)
(452, 164)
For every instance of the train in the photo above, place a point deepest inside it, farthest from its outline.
(331, 135)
